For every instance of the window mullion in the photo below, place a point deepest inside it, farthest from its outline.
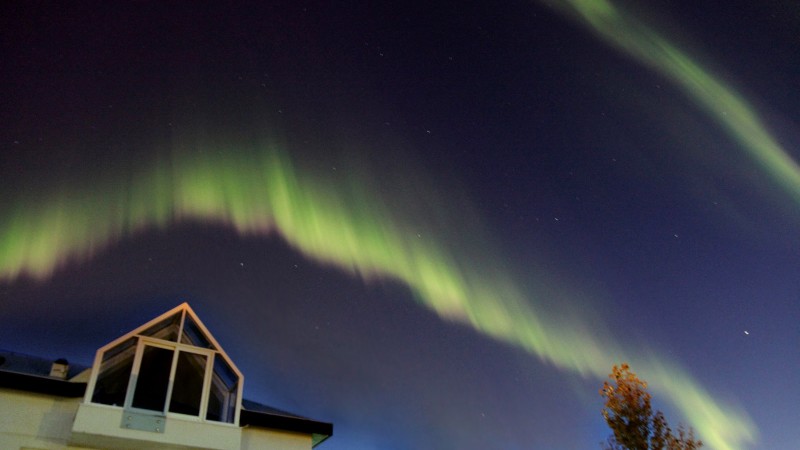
(180, 330)
(171, 380)
(98, 361)
(207, 385)
(134, 377)
(238, 407)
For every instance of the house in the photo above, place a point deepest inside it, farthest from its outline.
(167, 384)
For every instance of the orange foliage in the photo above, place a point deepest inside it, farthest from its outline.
(630, 416)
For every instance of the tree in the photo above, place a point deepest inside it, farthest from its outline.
(630, 416)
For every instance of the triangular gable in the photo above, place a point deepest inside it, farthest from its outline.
(181, 328)
(180, 324)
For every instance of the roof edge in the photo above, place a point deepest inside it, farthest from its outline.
(41, 385)
(287, 423)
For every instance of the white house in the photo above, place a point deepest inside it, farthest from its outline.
(165, 385)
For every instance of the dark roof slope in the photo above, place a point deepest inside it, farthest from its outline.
(259, 415)
(32, 374)
(33, 365)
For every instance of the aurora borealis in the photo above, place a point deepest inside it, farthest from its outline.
(334, 180)
(264, 193)
(721, 102)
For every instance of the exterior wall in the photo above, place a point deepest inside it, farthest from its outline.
(259, 438)
(101, 424)
(36, 421)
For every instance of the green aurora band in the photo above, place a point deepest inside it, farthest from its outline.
(342, 224)
(719, 101)
(354, 229)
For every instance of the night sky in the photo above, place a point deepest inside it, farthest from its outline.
(435, 224)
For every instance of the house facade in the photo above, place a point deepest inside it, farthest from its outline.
(167, 384)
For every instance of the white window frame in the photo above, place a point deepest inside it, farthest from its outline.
(176, 348)
(216, 352)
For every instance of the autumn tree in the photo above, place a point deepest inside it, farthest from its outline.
(630, 416)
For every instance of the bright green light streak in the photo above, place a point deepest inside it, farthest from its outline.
(355, 231)
(738, 119)
(720, 102)
(346, 226)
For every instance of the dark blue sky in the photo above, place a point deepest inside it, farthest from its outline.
(604, 189)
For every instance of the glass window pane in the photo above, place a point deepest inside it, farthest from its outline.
(167, 329)
(115, 371)
(222, 398)
(153, 380)
(188, 386)
(193, 335)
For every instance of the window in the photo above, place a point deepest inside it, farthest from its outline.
(168, 366)
(152, 382)
(186, 395)
(222, 401)
(115, 372)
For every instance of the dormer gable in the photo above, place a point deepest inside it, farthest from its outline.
(137, 371)
(167, 382)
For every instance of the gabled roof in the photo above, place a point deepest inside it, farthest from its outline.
(259, 415)
(180, 324)
(33, 365)
(32, 374)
